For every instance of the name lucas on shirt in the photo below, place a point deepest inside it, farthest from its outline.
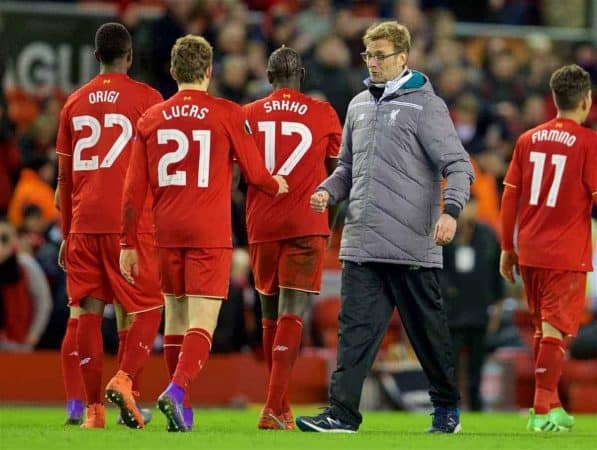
(185, 111)
(286, 105)
(560, 136)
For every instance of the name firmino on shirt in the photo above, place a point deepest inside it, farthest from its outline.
(561, 137)
(286, 105)
(185, 111)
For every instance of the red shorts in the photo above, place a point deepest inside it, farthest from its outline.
(555, 296)
(201, 272)
(295, 263)
(92, 270)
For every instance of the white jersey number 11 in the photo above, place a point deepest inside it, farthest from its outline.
(538, 160)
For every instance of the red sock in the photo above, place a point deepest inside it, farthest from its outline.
(195, 351)
(548, 369)
(284, 353)
(269, 334)
(121, 345)
(536, 343)
(139, 340)
(71, 369)
(91, 354)
(172, 346)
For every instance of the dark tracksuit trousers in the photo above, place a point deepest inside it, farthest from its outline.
(370, 292)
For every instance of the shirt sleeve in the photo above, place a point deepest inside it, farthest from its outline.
(335, 135)
(339, 183)
(590, 169)
(514, 174)
(247, 154)
(64, 141)
(135, 190)
(65, 184)
(153, 98)
(442, 145)
(508, 216)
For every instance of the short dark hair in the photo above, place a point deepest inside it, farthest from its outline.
(283, 64)
(112, 41)
(569, 85)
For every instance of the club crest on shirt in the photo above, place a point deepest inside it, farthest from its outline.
(247, 127)
(392, 119)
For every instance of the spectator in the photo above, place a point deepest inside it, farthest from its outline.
(25, 303)
(470, 283)
(330, 73)
(233, 78)
(34, 188)
(9, 158)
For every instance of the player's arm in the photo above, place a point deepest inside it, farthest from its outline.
(590, 168)
(338, 184)
(508, 216)
(133, 199)
(63, 195)
(249, 159)
(331, 161)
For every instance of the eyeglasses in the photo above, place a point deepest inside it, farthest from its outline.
(367, 56)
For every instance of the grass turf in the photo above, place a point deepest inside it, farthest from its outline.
(33, 428)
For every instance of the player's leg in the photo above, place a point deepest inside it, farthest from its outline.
(206, 276)
(300, 271)
(91, 354)
(176, 324)
(122, 387)
(286, 346)
(264, 264)
(89, 289)
(203, 317)
(562, 300)
(140, 310)
(269, 324)
(71, 370)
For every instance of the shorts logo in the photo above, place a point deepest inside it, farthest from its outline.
(85, 361)
(540, 370)
(145, 347)
(280, 348)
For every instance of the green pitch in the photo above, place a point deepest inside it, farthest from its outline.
(41, 428)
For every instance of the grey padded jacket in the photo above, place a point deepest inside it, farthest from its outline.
(394, 154)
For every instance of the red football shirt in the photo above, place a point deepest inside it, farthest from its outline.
(554, 168)
(184, 151)
(295, 134)
(97, 129)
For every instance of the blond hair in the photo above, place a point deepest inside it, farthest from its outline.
(190, 58)
(392, 31)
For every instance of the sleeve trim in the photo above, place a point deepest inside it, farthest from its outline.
(513, 186)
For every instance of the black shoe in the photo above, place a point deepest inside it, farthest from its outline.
(324, 423)
(445, 420)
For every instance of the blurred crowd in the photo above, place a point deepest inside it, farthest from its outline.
(495, 88)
